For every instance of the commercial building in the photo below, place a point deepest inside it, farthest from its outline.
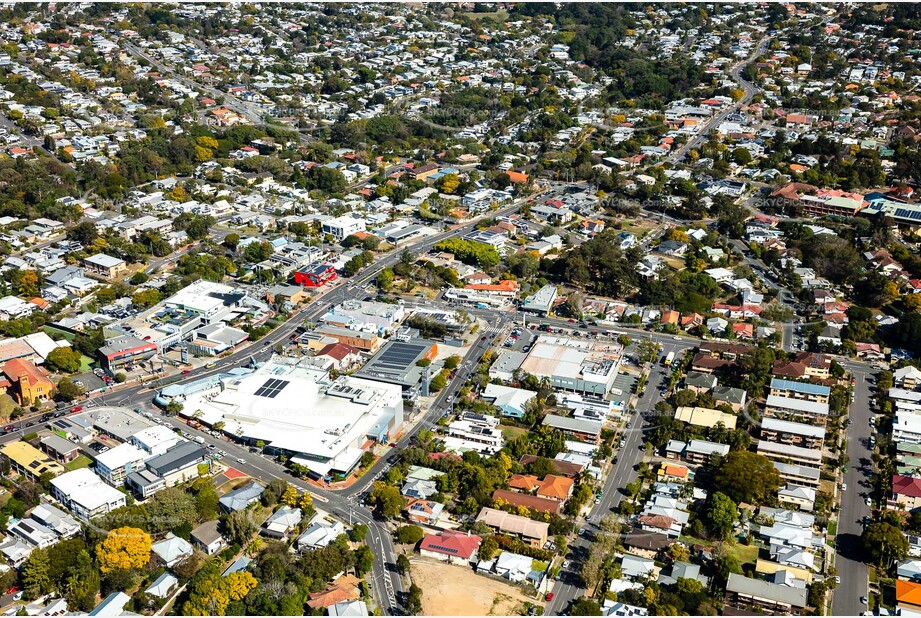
(294, 408)
(211, 301)
(577, 365)
(178, 464)
(85, 494)
(341, 227)
(397, 362)
(29, 462)
(541, 302)
(117, 463)
(124, 349)
(364, 341)
(581, 429)
(315, 275)
(366, 315)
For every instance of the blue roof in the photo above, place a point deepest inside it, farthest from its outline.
(238, 565)
(800, 387)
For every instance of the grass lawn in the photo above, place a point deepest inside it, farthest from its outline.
(832, 531)
(82, 461)
(500, 15)
(57, 333)
(86, 363)
(510, 433)
(745, 554)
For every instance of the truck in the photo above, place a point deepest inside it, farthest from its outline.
(667, 361)
(199, 439)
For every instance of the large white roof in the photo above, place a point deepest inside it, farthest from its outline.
(297, 408)
(83, 487)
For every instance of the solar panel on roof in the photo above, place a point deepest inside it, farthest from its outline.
(908, 214)
(271, 388)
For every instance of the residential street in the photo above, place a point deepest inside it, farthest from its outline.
(851, 568)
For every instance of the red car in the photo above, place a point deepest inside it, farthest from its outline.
(13, 590)
(186, 372)
(549, 597)
(76, 409)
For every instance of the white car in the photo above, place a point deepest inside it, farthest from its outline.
(843, 486)
(241, 460)
(869, 502)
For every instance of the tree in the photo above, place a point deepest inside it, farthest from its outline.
(403, 564)
(722, 514)
(385, 279)
(488, 548)
(35, 574)
(145, 298)
(64, 359)
(68, 391)
(123, 548)
(84, 233)
(410, 534)
(289, 497)
(884, 543)
(170, 509)
(239, 584)
(726, 565)
(358, 533)
(28, 283)
(647, 351)
(305, 503)
(240, 527)
(364, 560)
(749, 477)
(585, 607)
(414, 600)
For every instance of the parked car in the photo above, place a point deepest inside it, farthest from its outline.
(76, 409)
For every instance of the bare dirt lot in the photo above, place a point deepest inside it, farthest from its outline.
(449, 590)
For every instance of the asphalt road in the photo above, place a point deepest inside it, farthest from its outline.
(858, 478)
(569, 586)
(749, 91)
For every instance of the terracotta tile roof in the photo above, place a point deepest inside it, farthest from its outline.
(908, 593)
(345, 588)
(526, 482)
(337, 351)
(535, 503)
(555, 487)
(663, 522)
(17, 367)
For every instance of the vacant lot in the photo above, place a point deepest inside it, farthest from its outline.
(449, 590)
